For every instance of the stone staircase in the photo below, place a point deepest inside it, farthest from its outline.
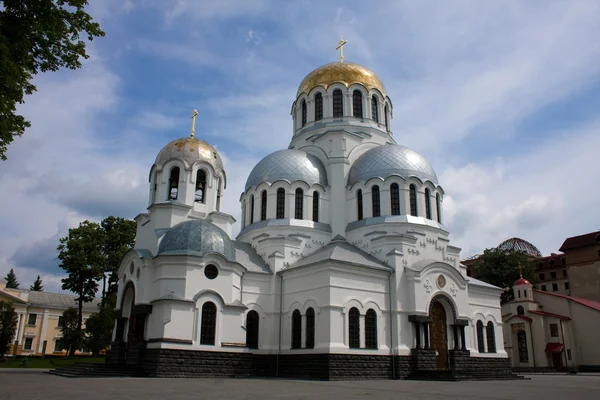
(457, 376)
(83, 370)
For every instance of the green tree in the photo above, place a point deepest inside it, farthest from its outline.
(11, 280)
(71, 330)
(37, 285)
(99, 326)
(37, 36)
(81, 257)
(119, 238)
(502, 268)
(8, 326)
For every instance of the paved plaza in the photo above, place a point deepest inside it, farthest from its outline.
(36, 385)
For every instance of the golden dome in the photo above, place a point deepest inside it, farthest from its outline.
(190, 150)
(346, 73)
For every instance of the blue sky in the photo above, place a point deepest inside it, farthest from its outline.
(502, 97)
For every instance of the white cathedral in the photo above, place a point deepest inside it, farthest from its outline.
(342, 269)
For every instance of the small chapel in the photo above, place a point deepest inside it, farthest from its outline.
(342, 267)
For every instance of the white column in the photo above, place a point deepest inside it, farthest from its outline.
(347, 105)
(327, 106)
(43, 331)
(363, 342)
(22, 327)
(303, 338)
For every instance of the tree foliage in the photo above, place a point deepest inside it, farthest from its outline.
(119, 238)
(8, 326)
(11, 280)
(502, 268)
(99, 326)
(71, 330)
(37, 285)
(37, 36)
(81, 257)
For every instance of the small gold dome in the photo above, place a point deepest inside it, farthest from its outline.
(346, 73)
(190, 150)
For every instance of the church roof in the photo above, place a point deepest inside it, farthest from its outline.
(341, 251)
(391, 159)
(288, 165)
(520, 245)
(196, 237)
(247, 256)
(477, 282)
(595, 305)
(346, 73)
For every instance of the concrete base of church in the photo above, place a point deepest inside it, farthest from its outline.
(420, 365)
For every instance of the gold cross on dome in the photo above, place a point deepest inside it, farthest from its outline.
(340, 48)
(194, 114)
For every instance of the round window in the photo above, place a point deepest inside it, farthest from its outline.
(211, 272)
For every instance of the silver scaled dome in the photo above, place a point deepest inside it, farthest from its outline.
(290, 166)
(392, 159)
(190, 150)
(196, 237)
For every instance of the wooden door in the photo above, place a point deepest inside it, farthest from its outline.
(439, 335)
(557, 361)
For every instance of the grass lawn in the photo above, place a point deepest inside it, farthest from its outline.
(48, 362)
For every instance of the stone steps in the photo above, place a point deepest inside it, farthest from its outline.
(97, 370)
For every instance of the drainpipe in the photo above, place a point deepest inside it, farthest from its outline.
(280, 322)
(391, 325)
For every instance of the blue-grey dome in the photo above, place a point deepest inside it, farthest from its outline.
(196, 237)
(288, 165)
(387, 160)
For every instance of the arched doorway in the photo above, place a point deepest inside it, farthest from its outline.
(439, 334)
(252, 330)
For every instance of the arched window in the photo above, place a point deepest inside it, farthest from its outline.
(491, 337)
(354, 328)
(316, 206)
(244, 214)
(280, 203)
(357, 104)
(395, 198)
(252, 330)
(480, 341)
(437, 207)
(413, 200)
(310, 328)
(520, 310)
(263, 205)
(299, 201)
(296, 330)
(200, 186)
(359, 204)
(427, 204)
(209, 323)
(318, 107)
(303, 112)
(387, 122)
(173, 183)
(374, 109)
(252, 209)
(371, 329)
(376, 201)
(338, 104)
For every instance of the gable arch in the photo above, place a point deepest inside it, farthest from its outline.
(443, 298)
(209, 293)
(353, 302)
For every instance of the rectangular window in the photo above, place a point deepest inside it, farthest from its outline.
(553, 330)
(542, 277)
(28, 343)
(31, 320)
(60, 321)
(567, 285)
(544, 288)
(555, 287)
(553, 274)
(565, 273)
(569, 354)
(58, 346)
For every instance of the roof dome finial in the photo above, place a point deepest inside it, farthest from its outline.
(340, 47)
(194, 114)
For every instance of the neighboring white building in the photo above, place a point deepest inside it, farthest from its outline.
(342, 263)
(544, 330)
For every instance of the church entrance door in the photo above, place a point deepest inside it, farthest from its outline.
(439, 335)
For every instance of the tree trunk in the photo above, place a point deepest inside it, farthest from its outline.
(103, 289)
